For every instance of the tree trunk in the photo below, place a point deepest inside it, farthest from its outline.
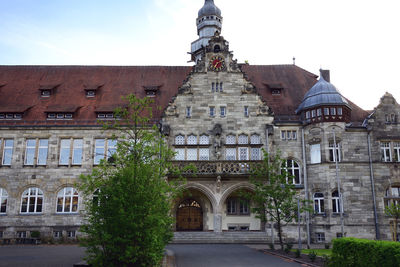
(395, 229)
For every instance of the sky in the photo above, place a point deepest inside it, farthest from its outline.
(357, 40)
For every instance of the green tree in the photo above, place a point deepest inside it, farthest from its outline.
(128, 198)
(393, 210)
(273, 197)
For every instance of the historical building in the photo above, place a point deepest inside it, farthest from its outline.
(218, 115)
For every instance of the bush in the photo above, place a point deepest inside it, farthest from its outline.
(297, 253)
(271, 246)
(35, 234)
(365, 253)
(288, 247)
(312, 255)
(326, 259)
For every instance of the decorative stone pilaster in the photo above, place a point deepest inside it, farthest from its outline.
(217, 222)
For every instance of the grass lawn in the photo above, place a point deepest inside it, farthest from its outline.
(319, 252)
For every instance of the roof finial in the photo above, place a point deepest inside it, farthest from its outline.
(294, 61)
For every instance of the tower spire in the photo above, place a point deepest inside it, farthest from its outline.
(208, 22)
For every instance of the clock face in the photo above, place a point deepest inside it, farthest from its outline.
(217, 63)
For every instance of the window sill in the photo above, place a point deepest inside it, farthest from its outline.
(319, 214)
(298, 186)
(241, 215)
(66, 213)
(31, 214)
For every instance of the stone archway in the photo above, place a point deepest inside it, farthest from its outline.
(189, 216)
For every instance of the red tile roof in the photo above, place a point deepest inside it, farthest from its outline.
(21, 85)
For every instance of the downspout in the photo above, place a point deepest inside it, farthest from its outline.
(377, 234)
(305, 186)
(267, 150)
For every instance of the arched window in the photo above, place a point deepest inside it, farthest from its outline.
(217, 49)
(319, 203)
(230, 140)
(392, 196)
(336, 205)
(192, 140)
(204, 140)
(243, 139)
(179, 140)
(293, 169)
(3, 200)
(32, 200)
(67, 200)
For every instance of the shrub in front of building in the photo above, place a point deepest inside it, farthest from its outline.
(362, 252)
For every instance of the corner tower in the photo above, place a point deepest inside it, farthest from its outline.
(209, 21)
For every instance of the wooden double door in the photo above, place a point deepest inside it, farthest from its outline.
(189, 216)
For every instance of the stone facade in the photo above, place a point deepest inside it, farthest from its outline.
(219, 119)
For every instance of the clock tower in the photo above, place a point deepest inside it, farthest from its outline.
(209, 21)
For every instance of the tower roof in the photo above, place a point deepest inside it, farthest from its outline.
(209, 8)
(322, 93)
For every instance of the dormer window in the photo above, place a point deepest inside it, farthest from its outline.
(47, 90)
(107, 115)
(275, 88)
(151, 91)
(10, 116)
(90, 93)
(61, 112)
(45, 93)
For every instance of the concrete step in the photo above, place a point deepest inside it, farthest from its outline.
(223, 237)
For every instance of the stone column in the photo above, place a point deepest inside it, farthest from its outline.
(217, 222)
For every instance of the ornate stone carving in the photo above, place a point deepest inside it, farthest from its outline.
(218, 184)
(217, 130)
(186, 89)
(248, 89)
(171, 110)
(263, 109)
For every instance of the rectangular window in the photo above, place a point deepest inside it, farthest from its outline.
(313, 113)
(243, 153)
(333, 111)
(283, 135)
(332, 155)
(212, 87)
(1, 234)
(340, 111)
(223, 111)
(212, 111)
(191, 154)
(30, 151)
(42, 151)
(386, 153)
(246, 111)
(244, 206)
(231, 206)
(57, 234)
(319, 112)
(188, 112)
(320, 237)
(8, 151)
(396, 147)
(220, 87)
(326, 111)
(204, 154)
(21, 234)
(294, 135)
(255, 153)
(71, 234)
(315, 152)
(111, 147)
(65, 148)
(77, 152)
(307, 114)
(99, 150)
(180, 154)
(230, 153)
(288, 135)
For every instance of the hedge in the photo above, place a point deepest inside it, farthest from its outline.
(361, 252)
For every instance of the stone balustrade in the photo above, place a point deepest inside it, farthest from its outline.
(215, 167)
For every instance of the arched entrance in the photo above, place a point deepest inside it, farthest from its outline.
(189, 216)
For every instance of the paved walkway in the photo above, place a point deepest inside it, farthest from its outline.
(42, 255)
(224, 255)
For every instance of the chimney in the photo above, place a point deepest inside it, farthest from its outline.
(326, 75)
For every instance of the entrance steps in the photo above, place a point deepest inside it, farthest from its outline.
(220, 238)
